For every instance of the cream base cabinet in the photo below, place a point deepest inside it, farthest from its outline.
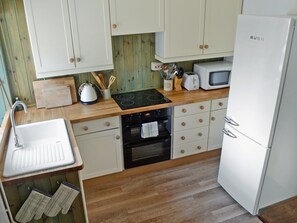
(197, 29)
(69, 37)
(136, 16)
(100, 146)
(217, 122)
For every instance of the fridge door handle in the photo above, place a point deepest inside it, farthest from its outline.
(230, 121)
(229, 133)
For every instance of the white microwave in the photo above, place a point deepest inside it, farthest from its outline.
(214, 75)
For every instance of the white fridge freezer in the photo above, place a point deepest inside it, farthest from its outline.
(259, 154)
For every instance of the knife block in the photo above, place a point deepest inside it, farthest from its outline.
(177, 83)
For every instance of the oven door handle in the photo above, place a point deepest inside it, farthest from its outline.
(139, 125)
(161, 139)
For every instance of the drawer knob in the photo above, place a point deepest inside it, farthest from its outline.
(201, 47)
(201, 107)
(183, 124)
(213, 118)
(71, 60)
(78, 59)
(200, 134)
(198, 147)
(206, 46)
(182, 151)
(85, 128)
(114, 26)
(107, 124)
(118, 137)
(221, 104)
(182, 138)
(184, 110)
(201, 120)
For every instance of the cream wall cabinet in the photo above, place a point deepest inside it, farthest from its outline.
(136, 16)
(217, 115)
(100, 146)
(197, 29)
(69, 37)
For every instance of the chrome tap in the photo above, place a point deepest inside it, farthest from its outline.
(16, 141)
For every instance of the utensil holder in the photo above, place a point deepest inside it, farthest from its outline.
(168, 85)
(105, 93)
(177, 83)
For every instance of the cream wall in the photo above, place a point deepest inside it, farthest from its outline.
(270, 7)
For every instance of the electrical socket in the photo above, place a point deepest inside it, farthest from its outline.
(155, 66)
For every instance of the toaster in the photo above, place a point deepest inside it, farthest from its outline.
(190, 81)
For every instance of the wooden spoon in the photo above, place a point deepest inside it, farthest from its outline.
(101, 85)
(102, 79)
(111, 80)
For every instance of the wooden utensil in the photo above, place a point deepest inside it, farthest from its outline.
(40, 85)
(111, 80)
(101, 85)
(102, 79)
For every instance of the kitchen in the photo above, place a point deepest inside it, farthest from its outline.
(142, 55)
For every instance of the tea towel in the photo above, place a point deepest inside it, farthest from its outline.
(149, 129)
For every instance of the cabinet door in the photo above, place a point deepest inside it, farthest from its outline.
(184, 29)
(91, 34)
(136, 16)
(50, 35)
(220, 25)
(101, 153)
(215, 137)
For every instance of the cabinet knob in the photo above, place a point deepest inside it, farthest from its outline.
(114, 26)
(182, 151)
(201, 120)
(118, 137)
(85, 128)
(201, 107)
(206, 46)
(221, 104)
(199, 147)
(71, 60)
(213, 118)
(200, 134)
(182, 138)
(201, 47)
(183, 124)
(184, 110)
(78, 59)
(107, 124)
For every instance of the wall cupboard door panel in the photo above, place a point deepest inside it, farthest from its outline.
(50, 34)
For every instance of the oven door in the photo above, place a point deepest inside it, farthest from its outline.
(146, 152)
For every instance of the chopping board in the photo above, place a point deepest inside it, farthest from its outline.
(40, 85)
(57, 96)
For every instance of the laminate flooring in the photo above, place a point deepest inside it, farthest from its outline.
(183, 190)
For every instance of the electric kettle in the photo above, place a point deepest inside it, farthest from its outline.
(87, 93)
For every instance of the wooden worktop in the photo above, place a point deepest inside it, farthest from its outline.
(103, 108)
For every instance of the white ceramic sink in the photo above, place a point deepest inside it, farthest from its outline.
(46, 145)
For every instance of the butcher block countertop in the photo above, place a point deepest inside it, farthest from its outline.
(102, 109)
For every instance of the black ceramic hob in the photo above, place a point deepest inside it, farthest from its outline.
(136, 99)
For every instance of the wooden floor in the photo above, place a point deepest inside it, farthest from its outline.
(284, 212)
(184, 190)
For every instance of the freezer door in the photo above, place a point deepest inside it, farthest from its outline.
(242, 168)
(261, 50)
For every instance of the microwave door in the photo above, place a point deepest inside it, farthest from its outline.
(219, 78)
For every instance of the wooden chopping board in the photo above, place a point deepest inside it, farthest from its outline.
(57, 96)
(40, 85)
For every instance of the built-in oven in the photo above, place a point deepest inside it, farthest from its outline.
(139, 150)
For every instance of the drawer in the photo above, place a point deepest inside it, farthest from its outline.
(190, 109)
(190, 135)
(191, 121)
(219, 103)
(96, 125)
(189, 148)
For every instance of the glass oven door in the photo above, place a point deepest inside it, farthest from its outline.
(147, 152)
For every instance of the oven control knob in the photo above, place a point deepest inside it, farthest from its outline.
(118, 137)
